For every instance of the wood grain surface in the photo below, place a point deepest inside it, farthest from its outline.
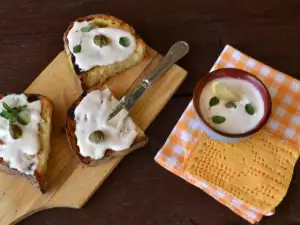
(139, 191)
(69, 183)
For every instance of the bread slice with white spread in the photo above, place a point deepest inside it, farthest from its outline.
(92, 137)
(101, 46)
(25, 128)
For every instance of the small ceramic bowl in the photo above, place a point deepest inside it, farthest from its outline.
(232, 73)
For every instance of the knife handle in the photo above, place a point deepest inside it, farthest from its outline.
(176, 52)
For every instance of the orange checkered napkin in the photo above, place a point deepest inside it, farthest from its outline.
(284, 122)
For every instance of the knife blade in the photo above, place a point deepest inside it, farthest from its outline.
(176, 52)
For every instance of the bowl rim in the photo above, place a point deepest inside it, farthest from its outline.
(196, 99)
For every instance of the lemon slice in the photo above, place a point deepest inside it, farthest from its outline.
(223, 92)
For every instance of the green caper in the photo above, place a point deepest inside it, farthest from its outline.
(15, 131)
(101, 40)
(124, 41)
(96, 137)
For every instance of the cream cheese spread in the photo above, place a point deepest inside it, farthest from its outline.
(21, 153)
(237, 121)
(92, 115)
(90, 54)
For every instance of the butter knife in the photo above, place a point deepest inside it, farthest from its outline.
(176, 52)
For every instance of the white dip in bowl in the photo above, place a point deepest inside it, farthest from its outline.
(237, 119)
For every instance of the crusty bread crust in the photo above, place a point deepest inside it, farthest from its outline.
(98, 74)
(38, 178)
(139, 141)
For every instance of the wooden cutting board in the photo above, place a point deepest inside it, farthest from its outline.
(71, 184)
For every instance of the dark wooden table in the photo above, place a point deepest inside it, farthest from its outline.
(139, 191)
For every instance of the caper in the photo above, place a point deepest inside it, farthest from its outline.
(101, 40)
(124, 41)
(96, 137)
(15, 131)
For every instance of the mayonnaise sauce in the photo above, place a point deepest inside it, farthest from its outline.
(237, 121)
(92, 55)
(92, 114)
(21, 154)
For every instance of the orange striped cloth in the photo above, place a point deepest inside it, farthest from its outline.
(284, 122)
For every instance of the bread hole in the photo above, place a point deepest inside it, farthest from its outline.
(32, 97)
(28, 161)
(76, 67)
(71, 112)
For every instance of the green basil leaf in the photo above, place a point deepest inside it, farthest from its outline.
(21, 108)
(7, 107)
(77, 48)
(249, 109)
(88, 28)
(124, 41)
(230, 105)
(5, 114)
(13, 119)
(218, 119)
(213, 101)
(22, 120)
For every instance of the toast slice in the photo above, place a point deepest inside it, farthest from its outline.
(37, 179)
(99, 73)
(140, 140)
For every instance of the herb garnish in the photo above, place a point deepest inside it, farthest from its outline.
(77, 48)
(213, 101)
(249, 109)
(218, 119)
(88, 28)
(14, 115)
(124, 41)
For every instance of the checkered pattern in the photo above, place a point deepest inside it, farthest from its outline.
(284, 121)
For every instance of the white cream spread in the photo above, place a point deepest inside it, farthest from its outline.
(92, 114)
(21, 154)
(237, 121)
(92, 55)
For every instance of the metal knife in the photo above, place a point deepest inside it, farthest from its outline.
(176, 52)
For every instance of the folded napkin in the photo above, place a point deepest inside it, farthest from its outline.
(249, 177)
